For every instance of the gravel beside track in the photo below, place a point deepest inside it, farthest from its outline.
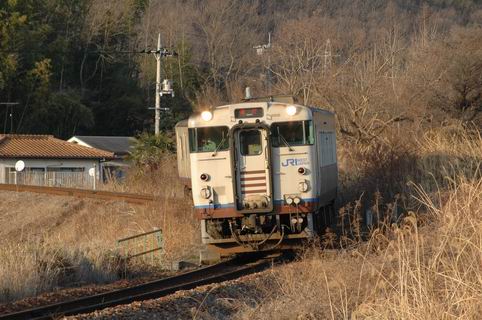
(75, 293)
(213, 274)
(213, 301)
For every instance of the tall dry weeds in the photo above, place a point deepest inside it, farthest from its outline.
(53, 242)
(434, 272)
(425, 265)
(404, 272)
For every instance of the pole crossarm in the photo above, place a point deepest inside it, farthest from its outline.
(162, 52)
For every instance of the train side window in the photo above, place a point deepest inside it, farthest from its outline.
(250, 142)
(208, 139)
(309, 132)
(192, 140)
(293, 133)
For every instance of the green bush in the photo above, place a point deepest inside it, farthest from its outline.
(149, 150)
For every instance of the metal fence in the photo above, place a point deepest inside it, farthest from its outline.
(148, 244)
(51, 179)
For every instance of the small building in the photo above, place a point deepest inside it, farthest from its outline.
(49, 161)
(121, 147)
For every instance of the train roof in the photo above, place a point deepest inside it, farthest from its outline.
(182, 123)
(224, 114)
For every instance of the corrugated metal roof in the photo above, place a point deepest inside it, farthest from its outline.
(118, 145)
(45, 147)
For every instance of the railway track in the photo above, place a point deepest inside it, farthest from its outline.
(212, 274)
(81, 193)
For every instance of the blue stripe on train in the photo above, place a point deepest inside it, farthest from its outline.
(305, 200)
(216, 206)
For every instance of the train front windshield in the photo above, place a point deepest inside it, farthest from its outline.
(292, 133)
(208, 139)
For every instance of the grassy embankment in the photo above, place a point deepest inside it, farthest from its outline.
(50, 241)
(426, 266)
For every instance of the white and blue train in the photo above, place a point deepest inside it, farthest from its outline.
(263, 173)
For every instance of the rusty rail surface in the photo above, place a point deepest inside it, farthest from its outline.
(81, 193)
(220, 272)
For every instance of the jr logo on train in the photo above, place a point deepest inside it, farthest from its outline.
(295, 162)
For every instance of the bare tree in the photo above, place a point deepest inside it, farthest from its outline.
(298, 57)
(224, 32)
(106, 22)
(446, 77)
(459, 91)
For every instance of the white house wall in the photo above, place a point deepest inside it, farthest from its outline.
(50, 164)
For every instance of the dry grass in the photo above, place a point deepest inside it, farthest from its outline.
(432, 272)
(425, 266)
(448, 154)
(428, 266)
(435, 272)
(50, 241)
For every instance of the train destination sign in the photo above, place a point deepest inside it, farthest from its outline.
(248, 113)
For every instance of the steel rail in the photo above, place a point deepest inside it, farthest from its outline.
(81, 193)
(212, 274)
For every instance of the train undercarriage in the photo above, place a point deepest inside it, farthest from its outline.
(265, 232)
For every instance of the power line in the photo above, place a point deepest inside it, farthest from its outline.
(163, 51)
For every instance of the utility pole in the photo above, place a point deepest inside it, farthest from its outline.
(10, 106)
(165, 87)
(327, 56)
(158, 86)
(260, 49)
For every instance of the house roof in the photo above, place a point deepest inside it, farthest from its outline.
(46, 147)
(115, 144)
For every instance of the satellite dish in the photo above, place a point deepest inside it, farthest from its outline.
(92, 172)
(19, 166)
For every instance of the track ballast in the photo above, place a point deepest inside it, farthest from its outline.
(220, 272)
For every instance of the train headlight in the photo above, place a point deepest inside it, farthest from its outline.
(291, 110)
(296, 200)
(289, 201)
(301, 170)
(204, 177)
(205, 193)
(303, 186)
(206, 115)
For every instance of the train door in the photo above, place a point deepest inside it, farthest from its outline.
(252, 170)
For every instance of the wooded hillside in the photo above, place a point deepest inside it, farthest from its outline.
(78, 67)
